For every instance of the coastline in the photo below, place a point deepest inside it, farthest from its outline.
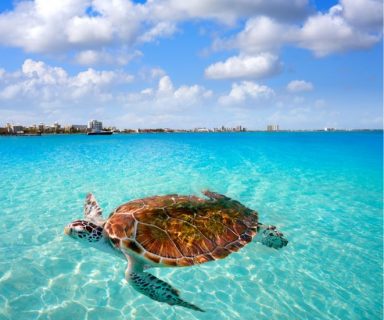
(155, 131)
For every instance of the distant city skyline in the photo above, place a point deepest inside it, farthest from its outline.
(97, 125)
(182, 65)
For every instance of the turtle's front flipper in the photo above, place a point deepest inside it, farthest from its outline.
(270, 236)
(92, 210)
(153, 287)
(157, 289)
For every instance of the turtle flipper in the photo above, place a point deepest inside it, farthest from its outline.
(214, 196)
(92, 210)
(270, 236)
(157, 289)
(151, 286)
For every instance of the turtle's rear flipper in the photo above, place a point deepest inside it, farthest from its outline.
(157, 289)
(270, 236)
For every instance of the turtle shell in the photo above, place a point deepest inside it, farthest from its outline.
(176, 230)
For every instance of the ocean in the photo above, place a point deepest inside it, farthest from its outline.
(323, 190)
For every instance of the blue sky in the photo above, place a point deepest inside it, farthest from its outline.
(166, 63)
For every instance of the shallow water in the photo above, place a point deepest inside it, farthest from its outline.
(323, 190)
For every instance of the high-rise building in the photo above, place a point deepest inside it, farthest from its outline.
(273, 127)
(95, 125)
(17, 129)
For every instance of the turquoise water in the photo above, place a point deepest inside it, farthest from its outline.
(323, 190)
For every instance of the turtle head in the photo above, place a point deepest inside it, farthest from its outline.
(84, 231)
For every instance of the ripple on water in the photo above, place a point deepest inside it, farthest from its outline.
(326, 197)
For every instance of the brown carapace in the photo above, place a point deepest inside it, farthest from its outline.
(178, 231)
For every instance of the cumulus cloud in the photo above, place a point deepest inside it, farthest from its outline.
(44, 24)
(246, 91)
(160, 30)
(299, 86)
(99, 78)
(93, 29)
(255, 67)
(38, 81)
(151, 74)
(42, 73)
(364, 13)
(54, 94)
(227, 12)
(329, 33)
(339, 30)
(260, 34)
(89, 31)
(165, 86)
(36, 77)
(343, 28)
(167, 97)
(156, 73)
(103, 57)
(63, 25)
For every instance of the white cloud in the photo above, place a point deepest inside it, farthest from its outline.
(329, 33)
(88, 57)
(260, 34)
(48, 9)
(364, 13)
(335, 31)
(89, 31)
(343, 28)
(162, 29)
(93, 77)
(54, 94)
(246, 91)
(42, 73)
(10, 92)
(39, 81)
(299, 85)
(167, 97)
(255, 67)
(156, 73)
(94, 57)
(227, 12)
(151, 74)
(43, 24)
(97, 27)
(63, 25)
(165, 86)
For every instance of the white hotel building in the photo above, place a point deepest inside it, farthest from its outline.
(95, 125)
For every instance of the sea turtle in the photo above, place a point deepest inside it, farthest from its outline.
(171, 231)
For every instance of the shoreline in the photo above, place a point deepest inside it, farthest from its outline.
(193, 132)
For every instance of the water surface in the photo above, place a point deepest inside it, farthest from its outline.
(323, 190)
